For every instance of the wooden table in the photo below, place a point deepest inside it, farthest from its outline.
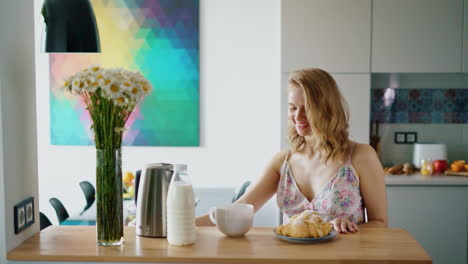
(77, 243)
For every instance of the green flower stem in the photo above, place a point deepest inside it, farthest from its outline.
(108, 123)
(109, 218)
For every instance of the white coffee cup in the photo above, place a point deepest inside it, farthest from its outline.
(233, 220)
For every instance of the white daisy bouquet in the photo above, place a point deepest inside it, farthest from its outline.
(110, 96)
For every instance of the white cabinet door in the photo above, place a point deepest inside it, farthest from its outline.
(436, 216)
(465, 41)
(355, 88)
(417, 35)
(284, 111)
(330, 34)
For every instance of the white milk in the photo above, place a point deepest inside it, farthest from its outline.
(180, 212)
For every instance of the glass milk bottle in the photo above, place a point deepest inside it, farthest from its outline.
(180, 208)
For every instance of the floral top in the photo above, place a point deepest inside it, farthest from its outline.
(340, 197)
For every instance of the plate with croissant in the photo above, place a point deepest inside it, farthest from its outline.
(306, 227)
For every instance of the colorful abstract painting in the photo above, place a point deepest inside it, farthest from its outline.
(160, 39)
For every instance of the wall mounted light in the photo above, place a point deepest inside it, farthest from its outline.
(70, 26)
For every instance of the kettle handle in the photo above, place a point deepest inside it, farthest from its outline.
(211, 214)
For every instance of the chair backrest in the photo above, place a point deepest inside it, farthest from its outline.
(238, 194)
(60, 210)
(137, 184)
(44, 221)
(89, 193)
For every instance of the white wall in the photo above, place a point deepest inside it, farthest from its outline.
(239, 108)
(2, 185)
(19, 172)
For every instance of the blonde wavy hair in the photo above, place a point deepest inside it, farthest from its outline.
(326, 111)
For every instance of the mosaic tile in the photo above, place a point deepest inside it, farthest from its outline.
(459, 105)
(438, 106)
(450, 94)
(437, 117)
(425, 106)
(415, 106)
(401, 117)
(438, 94)
(419, 117)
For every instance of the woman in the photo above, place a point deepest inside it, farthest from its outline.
(323, 170)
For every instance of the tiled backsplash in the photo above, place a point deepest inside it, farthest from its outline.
(434, 105)
(426, 106)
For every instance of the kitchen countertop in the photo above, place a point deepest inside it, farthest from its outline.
(419, 179)
(77, 243)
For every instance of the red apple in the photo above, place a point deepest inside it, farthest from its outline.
(440, 166)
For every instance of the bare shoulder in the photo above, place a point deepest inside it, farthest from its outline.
(278, 159)
(362, 152)
(365, 159)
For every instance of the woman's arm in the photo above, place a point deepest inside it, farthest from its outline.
(261, 191)
(372, 184)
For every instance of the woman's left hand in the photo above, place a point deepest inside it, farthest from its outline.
(343, 225)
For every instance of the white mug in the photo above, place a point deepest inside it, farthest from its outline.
(233, 220)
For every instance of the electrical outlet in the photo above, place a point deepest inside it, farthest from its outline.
(406, 137)
(411, 137)
(24, 214)
(400, 137)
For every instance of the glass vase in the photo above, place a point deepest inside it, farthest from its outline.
(109, 213)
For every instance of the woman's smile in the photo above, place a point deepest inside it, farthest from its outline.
(302, 125)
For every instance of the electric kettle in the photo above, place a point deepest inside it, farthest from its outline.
(151, 217)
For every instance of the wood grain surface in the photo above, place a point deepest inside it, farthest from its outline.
(260, 245)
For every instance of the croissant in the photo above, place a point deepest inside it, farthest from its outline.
(305, 224)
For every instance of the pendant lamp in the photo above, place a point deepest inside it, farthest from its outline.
(70, 26)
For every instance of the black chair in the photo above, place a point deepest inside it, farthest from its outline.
(137, 184)
(45, 222)
(60, 210)
(89, 193)
(238, 194)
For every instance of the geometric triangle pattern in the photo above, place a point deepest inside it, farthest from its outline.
(159, 38)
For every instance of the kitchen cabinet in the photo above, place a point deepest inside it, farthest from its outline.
(330, 34)
(355, 88)
(465, 37)
(284, 110)
(417, 35)
(437, 216)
